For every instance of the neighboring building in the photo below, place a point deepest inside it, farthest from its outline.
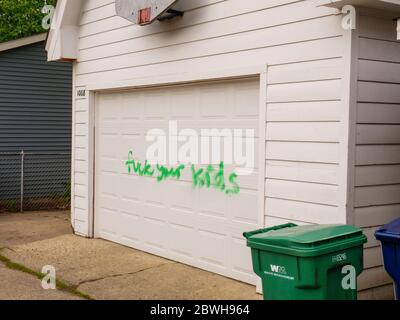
(35, 117)
(324, 101)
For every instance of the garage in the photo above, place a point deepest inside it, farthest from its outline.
(321, 98)
(201, 227)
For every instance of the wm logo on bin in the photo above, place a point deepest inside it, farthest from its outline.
(278, 269)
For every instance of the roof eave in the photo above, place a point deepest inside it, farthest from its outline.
(62, 42)
(13, 44)
(391, 6)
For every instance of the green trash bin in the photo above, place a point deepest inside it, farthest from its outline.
(318, 262)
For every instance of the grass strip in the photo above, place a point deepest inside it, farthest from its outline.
(62, 286)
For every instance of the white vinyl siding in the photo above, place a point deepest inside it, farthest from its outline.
(377, 170)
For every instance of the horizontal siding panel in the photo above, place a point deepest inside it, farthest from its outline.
(305, 91)
(80, 214)
(378, 113)
(303, 131)
(302, 171)
(377, 154)
(81, 105)
(374, 49)
(370, 234)
(310, 50)
(81, 191)
(81, 153)
(81, 203)
(373, 257)
(377, 195)
(329, 69)
(90, 5)
(301, 191)
(221, 10)
(377, 175)
(323, 111)
(373, 277)
(304, 211)
(81, 178)
(378, 92)
(376, 215)
(378, 71)
(297, 32)
(378, 134)
(80, 129)
(81, 227)
(138, 40)
(303, 151)
(81, 166)
(367, 27)
(81, 117)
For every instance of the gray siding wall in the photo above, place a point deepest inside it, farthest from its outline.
(35, 101)
(35, 116)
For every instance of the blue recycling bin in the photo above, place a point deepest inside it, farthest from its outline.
(389, 236)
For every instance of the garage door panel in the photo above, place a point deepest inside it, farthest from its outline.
(155, 235)
(130, 208)
(212, 203)
(154, 192)
(155, 211)
(108, 184)
(132, 128)
(181, 240)
(108, 222)
(109, 203)
(132, 107)
(213, 251)
(131, 227)
(248, 181)
(109, 128)
(246, 101)
(213, 101)
(199, 226)
(127, 144)
(240, 206)
(155, 105)
(182, 195)
(182, 218)
(241, 267)
(109, 165)
(131, 187)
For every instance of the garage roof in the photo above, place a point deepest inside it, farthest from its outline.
(22, 42)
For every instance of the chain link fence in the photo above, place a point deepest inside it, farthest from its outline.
(31, 181)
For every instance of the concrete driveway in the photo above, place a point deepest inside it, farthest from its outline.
(100, 269)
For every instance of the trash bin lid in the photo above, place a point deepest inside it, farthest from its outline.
(389, 232)
(308, 241)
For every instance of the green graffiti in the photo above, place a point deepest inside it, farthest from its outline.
(165, 173)
(137, 167)
(209, 177)
(147, 170)
(215, 178)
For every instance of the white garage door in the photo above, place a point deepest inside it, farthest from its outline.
(200, 226)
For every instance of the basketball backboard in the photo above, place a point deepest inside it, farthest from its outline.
(144, 12)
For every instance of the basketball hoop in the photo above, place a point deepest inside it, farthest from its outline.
(144, 12)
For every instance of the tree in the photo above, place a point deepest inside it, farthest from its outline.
(21, 18)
